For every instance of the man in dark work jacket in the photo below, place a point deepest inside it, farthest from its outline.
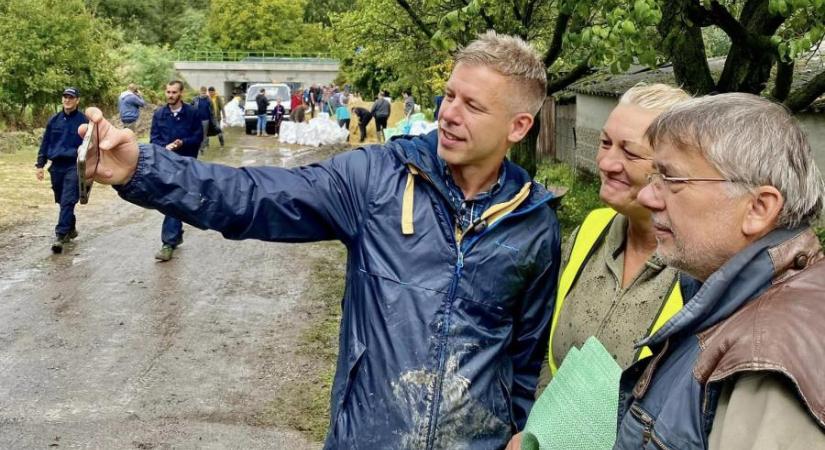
(59, 145)
(177, 128)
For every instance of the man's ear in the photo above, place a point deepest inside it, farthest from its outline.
(519, 126)
(763, 211)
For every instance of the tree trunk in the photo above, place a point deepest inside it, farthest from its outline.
(524, 152)
(684, 45)
(748, 65)
(784, 78)
(802, 97)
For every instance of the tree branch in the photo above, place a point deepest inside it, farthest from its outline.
(682, 42)
(418, 22)
(516, 12)
(554, 49)
(804, 96)
(739, 35)
(528, 13)
(574, 75)
(487, 20)
(784, 78)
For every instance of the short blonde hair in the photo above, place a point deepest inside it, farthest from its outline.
(513, 58)
(654, 96)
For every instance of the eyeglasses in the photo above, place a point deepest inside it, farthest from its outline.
(658, 180)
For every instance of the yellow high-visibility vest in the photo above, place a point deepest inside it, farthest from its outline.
(591, 233)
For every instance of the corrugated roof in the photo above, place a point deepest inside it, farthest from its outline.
(605, 84)
(614, 85)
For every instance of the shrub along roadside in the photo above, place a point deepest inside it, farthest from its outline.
(582, 193)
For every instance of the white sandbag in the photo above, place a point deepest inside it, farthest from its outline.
(233, 114)
(422, 127)
(319, 131)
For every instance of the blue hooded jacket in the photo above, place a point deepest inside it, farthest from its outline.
(442, 336)
(129, 105)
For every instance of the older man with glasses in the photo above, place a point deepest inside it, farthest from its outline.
(59, 145)
(742, 365)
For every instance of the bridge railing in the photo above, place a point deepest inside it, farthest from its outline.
(245, 55)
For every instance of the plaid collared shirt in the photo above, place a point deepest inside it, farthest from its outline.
(467, 212)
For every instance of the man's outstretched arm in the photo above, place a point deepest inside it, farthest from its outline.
(317, 202)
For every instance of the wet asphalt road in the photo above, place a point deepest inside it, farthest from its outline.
(103, 347)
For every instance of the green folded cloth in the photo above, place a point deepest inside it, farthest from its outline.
(579, 407)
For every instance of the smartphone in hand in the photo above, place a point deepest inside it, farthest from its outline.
(84, 185)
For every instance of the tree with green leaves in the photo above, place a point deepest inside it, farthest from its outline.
(148, 66)
(762, 40)
(51, 44)
(768, 38)
(265, 25)
(414, 38)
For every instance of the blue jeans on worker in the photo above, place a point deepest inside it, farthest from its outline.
(261, 123)
(66, 194)
(172, 231)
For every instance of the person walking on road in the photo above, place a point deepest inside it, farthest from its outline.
(129, 105)
(262, 104)
(203, 105)
(381, 112)
(59, 145)
(177, 128)
(218, 115)
(453, 253)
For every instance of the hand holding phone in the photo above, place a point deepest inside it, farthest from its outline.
(91, 142)
(112, 154)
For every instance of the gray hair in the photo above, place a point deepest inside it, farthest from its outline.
(750, 140)
(513, 58)
(656, 96)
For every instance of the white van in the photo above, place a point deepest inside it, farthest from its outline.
(273, 92)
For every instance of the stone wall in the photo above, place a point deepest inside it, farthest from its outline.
(591, 114)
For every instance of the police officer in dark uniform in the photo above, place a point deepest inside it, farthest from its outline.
(59, 145)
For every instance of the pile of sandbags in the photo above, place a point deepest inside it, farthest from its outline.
(319, 131)
(415, 125)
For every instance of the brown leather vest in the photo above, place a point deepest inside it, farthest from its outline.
(781, 331)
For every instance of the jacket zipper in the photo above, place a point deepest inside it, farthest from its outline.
(647, 423)
(648, 434)
(459, 265)
(451, 295)
(435, 406)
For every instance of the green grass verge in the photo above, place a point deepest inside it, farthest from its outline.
(304, 405)
(582, 195)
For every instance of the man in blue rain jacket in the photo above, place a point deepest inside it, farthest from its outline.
(453, 254)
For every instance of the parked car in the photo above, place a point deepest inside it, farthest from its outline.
(273, 91)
